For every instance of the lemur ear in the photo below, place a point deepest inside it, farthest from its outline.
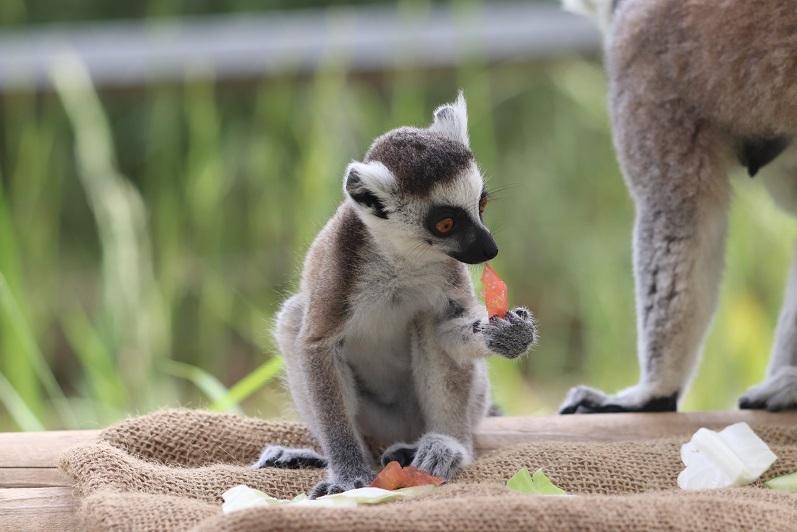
(370, 185)
(451, 120)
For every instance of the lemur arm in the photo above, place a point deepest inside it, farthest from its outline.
(459, 330)
(466, 333)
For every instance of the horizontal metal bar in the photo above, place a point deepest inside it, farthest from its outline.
(256, 45)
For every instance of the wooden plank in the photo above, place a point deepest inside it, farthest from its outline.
(45, 509)
(503, 431)
(33, 477)
(40, 449)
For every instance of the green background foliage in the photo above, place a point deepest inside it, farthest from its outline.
(148, 235)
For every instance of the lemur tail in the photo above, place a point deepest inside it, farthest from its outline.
(599, 11)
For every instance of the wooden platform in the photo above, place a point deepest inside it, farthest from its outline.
(35, 495)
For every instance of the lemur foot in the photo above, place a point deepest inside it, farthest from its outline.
(512, 335)
(403, 453)
(586, 400)
(440, 455)
(777, 392)
(287, 458)
(339, 484)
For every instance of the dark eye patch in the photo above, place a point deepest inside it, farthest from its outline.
(438, 212)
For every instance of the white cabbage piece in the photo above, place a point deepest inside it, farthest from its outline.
(242, 497)
(735, 456)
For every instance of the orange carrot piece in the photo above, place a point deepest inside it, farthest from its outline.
(393, 477)
(496, 295)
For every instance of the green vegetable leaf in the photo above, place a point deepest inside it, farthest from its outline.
(787, 483)
(536, 484)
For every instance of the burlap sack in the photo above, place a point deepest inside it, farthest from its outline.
(167, 471)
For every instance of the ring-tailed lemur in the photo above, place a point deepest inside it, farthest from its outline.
(696, 86)
(385, 342)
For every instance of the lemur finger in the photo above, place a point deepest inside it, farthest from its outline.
(268, 457)
(399, 452)
(521, 313)
(747, 403)
(336, 488)
(320, 489)
(278, 456)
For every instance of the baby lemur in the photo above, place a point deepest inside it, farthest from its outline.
(696, 87)
(385, 343)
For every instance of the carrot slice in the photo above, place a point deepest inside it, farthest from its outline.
(389, 478)
(394, 477)
(496, 295)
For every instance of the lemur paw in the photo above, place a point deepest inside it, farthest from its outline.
(284, 457)
(777, 392)
(403, 453)
(440, 455)
(512, 335)
(586, 400)
(341, 483)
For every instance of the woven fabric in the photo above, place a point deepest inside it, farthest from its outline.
(167, 471)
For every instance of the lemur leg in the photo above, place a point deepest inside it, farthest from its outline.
(316, 385)
(332, 421)
(453, 396)
(779, 389)
(289, 322)
(675, 166)
(453, 351)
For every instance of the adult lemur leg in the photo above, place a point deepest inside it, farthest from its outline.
(675, 166)
(779, 389)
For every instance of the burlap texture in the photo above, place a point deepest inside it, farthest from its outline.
(167, 471)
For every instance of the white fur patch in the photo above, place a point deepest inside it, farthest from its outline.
(464, 191)
(451, 120)
(375, 176)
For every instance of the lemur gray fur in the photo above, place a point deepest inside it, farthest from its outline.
(695, 87)
(385, 343)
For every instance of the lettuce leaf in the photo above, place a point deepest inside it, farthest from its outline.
(536, 484)
(787, 483)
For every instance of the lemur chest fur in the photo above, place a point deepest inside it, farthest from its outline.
(376, 349)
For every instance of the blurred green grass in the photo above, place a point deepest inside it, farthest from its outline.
(148, 236)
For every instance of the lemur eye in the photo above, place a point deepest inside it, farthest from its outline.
(444, 225)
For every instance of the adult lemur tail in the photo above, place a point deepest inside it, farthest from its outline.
(598, 10)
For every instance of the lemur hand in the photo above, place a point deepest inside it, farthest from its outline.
(342, 481)
(510, 336)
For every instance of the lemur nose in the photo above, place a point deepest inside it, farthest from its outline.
(489, 250)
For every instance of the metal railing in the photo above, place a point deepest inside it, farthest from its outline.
(241, 46)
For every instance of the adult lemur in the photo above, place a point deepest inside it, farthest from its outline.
(385, 341)
(696, 86)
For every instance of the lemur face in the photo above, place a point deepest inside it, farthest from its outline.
(421, 190)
